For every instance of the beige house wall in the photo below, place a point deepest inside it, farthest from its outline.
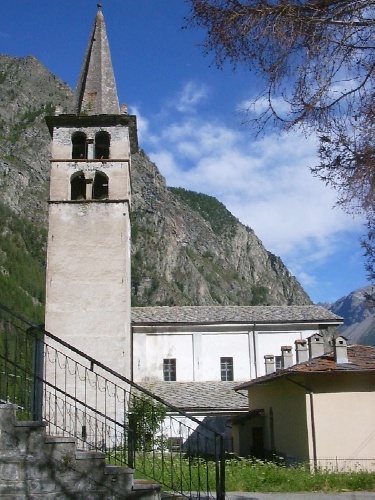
(343, 417)
(288, 403)
(345, 425)
(242, 435)
(344, 407)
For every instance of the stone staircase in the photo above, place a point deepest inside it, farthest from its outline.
(35, 465)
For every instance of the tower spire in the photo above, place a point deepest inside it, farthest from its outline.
(96, 91)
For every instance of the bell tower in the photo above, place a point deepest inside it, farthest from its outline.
(88, 255)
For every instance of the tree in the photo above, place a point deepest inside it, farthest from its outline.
(316, 61)
(145, 421)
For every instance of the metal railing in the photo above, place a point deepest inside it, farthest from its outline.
(78, 396)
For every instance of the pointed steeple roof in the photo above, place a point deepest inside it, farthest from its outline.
(96, 91)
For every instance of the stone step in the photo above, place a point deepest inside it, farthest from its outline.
(143, 488)
(36, 465)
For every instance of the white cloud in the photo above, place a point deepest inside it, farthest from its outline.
(190, 96)
(142, 124)
(266, 183)
(307, 279)
(257, 105)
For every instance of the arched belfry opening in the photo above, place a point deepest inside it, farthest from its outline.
(79, 146)
(100, 187)
(78, 186)
(102, 144)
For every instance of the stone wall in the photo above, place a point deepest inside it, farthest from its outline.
(34, 465)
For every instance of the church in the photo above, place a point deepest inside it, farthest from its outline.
(190, 356)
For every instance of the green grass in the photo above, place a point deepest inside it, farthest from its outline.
(250, 475)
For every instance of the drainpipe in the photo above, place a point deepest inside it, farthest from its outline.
(313, 434)
(312, 415)
(249, 352)
(255, 352)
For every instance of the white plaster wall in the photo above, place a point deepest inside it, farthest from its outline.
(198, 359)
(88, 280)
(148, 358)
(215, 346)
(270, 342)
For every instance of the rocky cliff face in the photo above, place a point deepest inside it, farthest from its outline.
(179, 259)
(180, 256)
(359, 315)
(27, 93)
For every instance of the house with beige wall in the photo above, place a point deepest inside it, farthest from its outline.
(319, 411)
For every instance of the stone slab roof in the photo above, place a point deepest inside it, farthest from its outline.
(360, 358)
(232, 314)
(96, 91)
(201, 396)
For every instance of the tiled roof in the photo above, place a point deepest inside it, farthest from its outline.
(195, 396)
(360, 358)
(231, 314)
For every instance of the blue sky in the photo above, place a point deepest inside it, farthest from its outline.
(190, 125)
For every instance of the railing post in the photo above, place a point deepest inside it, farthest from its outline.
(132, 437)
(37, 375)
(220, 468)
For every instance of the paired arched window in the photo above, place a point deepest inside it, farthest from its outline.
(78, 186)
(79, 146)
(100, 187)
(80, 150)
(86, 189)
(102, 143)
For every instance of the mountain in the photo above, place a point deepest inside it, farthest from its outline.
(359, 315)
(187, 249)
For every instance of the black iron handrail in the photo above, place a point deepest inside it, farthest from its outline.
(79, 396)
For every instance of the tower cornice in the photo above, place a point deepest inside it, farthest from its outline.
(97, 121)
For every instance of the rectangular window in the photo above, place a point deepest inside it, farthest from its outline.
(169, 370)
(226, 369)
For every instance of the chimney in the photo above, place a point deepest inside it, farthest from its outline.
(269, 362)
(340, 349)
(58, 110)
(287, 355)
(301, 350)
(316, 345)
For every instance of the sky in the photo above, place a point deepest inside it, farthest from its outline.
(190, 124)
